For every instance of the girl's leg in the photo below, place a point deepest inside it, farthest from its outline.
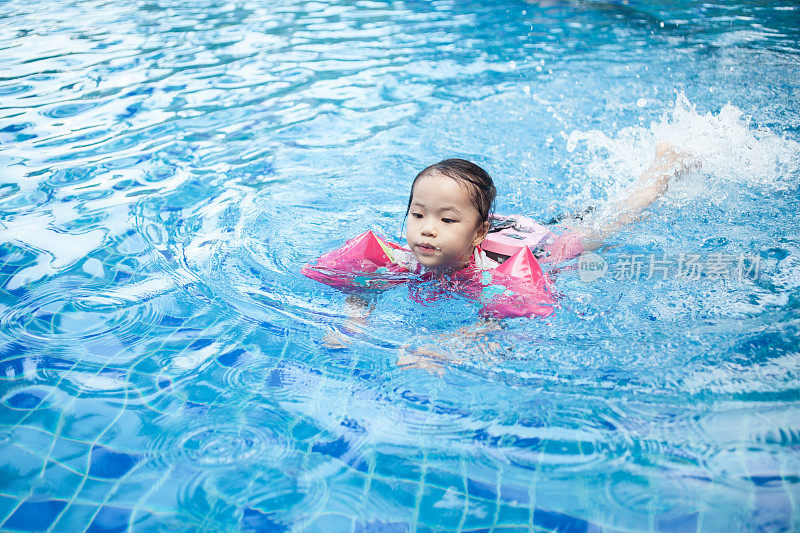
(652, 184)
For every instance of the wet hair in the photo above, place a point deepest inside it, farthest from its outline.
(479, 182)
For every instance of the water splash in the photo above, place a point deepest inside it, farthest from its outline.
(729, 146)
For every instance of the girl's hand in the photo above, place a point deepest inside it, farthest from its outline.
(474, 339)
(424, 359)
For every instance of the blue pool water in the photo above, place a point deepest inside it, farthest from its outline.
(167, 168)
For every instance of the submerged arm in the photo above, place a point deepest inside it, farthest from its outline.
(432, 358)
(357, 310)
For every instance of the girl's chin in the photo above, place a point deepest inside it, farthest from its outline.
(429, 262)
(432, 263)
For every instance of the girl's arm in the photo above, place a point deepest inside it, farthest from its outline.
(357, 310)
(431, 356)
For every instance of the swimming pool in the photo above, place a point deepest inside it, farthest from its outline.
(167, 168)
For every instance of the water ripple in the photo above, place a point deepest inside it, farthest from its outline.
(79, 315)
(220, 446)
(206, 443)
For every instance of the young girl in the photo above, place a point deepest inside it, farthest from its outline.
(448, 219)
(450, 202)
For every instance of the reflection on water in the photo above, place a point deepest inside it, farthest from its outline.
(168, 167)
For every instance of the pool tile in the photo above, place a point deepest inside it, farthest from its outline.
(110, 520)
(75, 517)
(114, 351)
(193, 409)
(171, 321)
(200, 392)
(165, 495)
(35, 515)
(513, 516)
(12, 351)
(71, 454)
(402, 494)
(233, 357)
(144, 520)
(481, 489)
(255, 520)
(220, 515)
(46, 419)
(37, 442)
(25, 467)
(441, 508)
(677, 523)
(424, 528)
(399, 466)
(347, 497)
(341, 449)
(25, 399)
(200, 496)
(12, 417)
(772, 510)
(128, 492)
(381, 527)
(109, 464)
(95, 490)
(59, 482)
(15, 361)
(7, 505)
(329, 523)
(87, 419)
(444, 479)
(561, 522)
(480, 514)
(302, 430)
(515, 495)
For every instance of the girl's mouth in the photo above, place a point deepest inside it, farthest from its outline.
(427, 248)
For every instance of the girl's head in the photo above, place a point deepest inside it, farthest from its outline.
(448, 212)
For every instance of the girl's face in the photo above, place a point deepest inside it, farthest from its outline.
(443, 224)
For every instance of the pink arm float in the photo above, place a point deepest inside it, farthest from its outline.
(516, 288)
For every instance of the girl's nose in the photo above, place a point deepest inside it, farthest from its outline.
(429, 230)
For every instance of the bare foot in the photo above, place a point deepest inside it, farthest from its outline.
(662, 148)
(668, 155)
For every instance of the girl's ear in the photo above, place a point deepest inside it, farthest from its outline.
(480, 233)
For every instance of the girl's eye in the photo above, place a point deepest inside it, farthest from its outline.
(416, 215)
(448, 220)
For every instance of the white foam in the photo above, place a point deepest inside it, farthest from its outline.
(730, 147)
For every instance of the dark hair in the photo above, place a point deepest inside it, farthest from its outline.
(479, 181)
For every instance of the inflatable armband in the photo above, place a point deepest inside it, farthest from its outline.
(355, 264)
(516, 288)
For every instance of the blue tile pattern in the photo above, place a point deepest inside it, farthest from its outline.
(33, 515)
